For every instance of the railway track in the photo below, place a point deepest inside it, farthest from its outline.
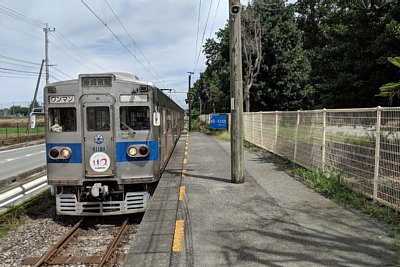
(92, 245)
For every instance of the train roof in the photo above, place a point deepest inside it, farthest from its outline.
(122, 76)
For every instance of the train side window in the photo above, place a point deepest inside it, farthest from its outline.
(98, 118)
(136, 118)
(62, 120)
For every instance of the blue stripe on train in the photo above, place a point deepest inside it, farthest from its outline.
(76, 156)
(121, 148)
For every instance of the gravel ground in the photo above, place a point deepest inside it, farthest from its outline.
(35, 236)
(32, 238)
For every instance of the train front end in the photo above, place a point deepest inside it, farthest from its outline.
(102, 151)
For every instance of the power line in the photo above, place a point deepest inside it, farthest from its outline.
(76, 50)
(119, 40)
(133, 42)
(197, 38)
(61, 38)
(215, 16)
(20, 77)
(62, 72)
(204, 32)
(21, 71)
(21, 17)
(20, 60)
(18, 65)
(74, 57)
(212, 28)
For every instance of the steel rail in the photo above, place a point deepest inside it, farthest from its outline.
(114, 243)
(59, 246)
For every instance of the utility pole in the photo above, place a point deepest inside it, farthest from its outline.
(236, 85)
(46, 49)
(190, 101)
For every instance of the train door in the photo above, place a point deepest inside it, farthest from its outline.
(98, 132)
(164, 135)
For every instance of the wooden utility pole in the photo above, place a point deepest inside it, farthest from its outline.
(236, 85)
(189, 96)
(46, 30)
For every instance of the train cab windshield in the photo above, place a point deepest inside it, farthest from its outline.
(62, 119)
(136, 118)
(98, 118)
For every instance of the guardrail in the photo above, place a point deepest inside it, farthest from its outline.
(10, 196)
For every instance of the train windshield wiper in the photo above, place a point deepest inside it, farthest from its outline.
(131, 131)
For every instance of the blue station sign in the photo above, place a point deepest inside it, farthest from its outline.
(219, 121)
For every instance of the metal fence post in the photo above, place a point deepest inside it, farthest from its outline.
(276, 130)
(323, 138)
(261, 130)
(252, 127)
(296, 136)
(377, 150)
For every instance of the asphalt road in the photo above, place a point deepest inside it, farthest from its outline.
(20, 160)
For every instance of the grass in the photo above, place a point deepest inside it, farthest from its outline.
(7, 132)
(333, 186)
(34, 207)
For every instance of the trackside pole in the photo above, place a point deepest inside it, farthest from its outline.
(236, 85)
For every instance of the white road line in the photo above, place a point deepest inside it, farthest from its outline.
(25, 156)
(20, 148)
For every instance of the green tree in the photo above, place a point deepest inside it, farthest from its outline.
(213, 87)
(283, 81)
(348, 43)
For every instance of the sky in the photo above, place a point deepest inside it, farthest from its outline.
(160, 41)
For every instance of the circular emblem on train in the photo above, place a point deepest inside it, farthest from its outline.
(98, 139)
(99, 162)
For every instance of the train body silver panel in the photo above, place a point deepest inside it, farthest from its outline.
(99, 146)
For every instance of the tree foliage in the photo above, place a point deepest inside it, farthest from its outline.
(315, 54)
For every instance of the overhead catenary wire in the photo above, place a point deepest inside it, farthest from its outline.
(202, 38)
(119, 40)
(62, 72)
(211, 30)
(135, 44)
(197, 35)
(76, 50)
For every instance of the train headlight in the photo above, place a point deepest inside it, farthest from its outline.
(59, 153)
(65, 153)
(54, 153)
(144, 151)
(132, 151)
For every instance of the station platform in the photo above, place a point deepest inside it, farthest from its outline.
(198, 217)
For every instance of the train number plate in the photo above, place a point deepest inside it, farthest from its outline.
(62, 99)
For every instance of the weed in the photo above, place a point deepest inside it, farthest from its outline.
(334, 187)
(34, 207)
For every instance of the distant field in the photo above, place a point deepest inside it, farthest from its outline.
(17, 128)
(15, 121)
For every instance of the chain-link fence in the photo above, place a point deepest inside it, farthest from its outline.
(362, 144)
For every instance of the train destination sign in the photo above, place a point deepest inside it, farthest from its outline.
(219, 121)
(62, 99)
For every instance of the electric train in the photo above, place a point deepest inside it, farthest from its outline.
(108, 138)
